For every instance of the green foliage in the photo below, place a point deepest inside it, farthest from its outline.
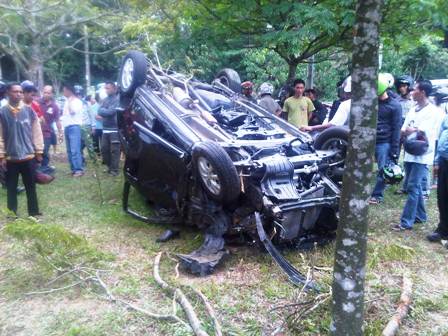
(427, 59)
(54, 243)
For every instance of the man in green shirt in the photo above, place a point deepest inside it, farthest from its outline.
(298, 107)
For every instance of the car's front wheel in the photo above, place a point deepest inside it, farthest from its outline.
(216, 172)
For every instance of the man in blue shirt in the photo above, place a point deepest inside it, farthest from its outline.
(441, 171)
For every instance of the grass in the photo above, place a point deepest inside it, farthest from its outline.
(243, 291)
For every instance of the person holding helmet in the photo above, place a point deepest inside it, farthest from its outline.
(387, 135)
(420, 130)
(404, 85)
(247, 89)
(266, 101)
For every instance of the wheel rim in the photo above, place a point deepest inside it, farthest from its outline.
(224, 81)
(209, 176)
(127, 74)
(338, 145)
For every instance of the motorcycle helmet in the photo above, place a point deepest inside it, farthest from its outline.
(416, 143)
(392, 173)
(266, 88)
(405, 79)
(79, 90)
(383, 83)
(390, 79)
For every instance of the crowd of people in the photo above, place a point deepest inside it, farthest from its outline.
(30, 124)
(407, 119)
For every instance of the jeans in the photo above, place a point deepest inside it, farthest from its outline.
(73, 143)
(442, 197)
(382, 158)
(414, 209)
(110, 151)
(27, 170)
(426, 186)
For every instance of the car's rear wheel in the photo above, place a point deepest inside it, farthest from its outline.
(216, 172)
(132, 72)
(230, 78)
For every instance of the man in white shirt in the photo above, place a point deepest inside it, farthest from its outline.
(72, 120)
(424, 117)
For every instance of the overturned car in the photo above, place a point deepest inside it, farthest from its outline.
(205, 156)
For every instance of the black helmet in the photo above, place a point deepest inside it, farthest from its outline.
(416, 143)
(79, 90)
(405, 79)
(392, 173)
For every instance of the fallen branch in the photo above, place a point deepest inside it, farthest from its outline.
(180, 298)
(210, 311)
(52, 290)
(112, 298)
(402, 310)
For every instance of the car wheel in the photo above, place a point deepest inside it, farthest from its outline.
(334, 138)
(132, 72)
(230, 78)
(216, 172)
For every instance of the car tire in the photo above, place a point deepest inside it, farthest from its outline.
(132, 72)
(334, 138)
(230, 78)
(216, 172)
(324, 139)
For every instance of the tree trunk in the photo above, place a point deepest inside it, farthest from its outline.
(310, 73)
(292, 70)
(351, 242)
(87, 58)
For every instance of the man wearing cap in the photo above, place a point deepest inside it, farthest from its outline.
(423, 117)
(21, 141)
(298, 107)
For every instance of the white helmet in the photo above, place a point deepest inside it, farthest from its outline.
(266, 88)
(390, 80)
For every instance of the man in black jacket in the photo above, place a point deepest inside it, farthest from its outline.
(387, 136)
(110, 143)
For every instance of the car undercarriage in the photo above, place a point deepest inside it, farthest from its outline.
(205, 156)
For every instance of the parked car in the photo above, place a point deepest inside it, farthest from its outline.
(205, 156)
